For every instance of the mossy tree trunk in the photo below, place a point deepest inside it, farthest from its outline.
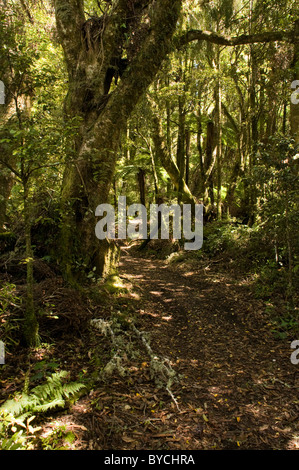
(6, 183)
(6, 155)
(30, 329)
(141, 32)
(218, 110)
(181, 155)
(294, 115)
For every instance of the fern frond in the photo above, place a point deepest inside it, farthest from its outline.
(72, 388)
(17, 405)
(49, 406)
(43, 397)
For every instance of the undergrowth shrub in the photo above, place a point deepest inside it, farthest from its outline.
(226, 236)
(268, 254)
(17, 413)
(9, 315)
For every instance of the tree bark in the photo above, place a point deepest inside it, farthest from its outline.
(30, 328)
(180, 156)
(188, 143)
(90, 48)
(219, 134)
(209, 164)
(294, 114)
(141, 184)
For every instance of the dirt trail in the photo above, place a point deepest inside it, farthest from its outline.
(238, 387)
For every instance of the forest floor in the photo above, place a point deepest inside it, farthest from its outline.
(235, 386)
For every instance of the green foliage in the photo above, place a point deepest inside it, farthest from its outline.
(43, 369)
(15, 433)
(59, 439)
(219, 11)
(10, 323)
(42, 398)
(21, 409)
(225, 236)
(276, 178)
(285, 326)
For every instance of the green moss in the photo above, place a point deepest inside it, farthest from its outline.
(114, 285)
(109, 254)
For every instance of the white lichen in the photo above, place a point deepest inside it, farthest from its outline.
(161, 370)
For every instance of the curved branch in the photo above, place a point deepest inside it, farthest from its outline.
(214, 38)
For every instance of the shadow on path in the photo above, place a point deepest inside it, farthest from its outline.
(234, 374)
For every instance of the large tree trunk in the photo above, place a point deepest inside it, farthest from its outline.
(294, 115)
(218, 93)
(94, 51)
(6, 155)
(209, 165)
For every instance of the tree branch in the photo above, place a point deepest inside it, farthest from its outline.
(69, 20)
(154, 48)
(230, 118)
(214, 38)
(11, 168)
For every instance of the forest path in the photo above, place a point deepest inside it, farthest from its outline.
(238, 388)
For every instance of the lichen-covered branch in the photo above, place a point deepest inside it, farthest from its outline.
(160, 368)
